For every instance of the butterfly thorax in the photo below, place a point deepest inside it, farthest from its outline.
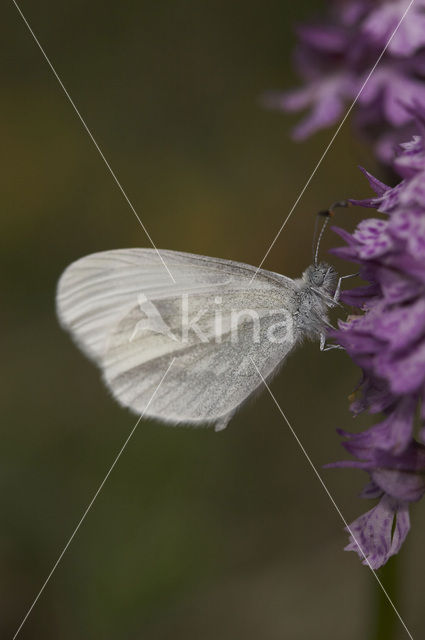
(316, 289)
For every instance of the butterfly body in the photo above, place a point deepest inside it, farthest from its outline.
(316, 293)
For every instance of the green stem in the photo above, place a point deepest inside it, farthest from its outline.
(386, 623)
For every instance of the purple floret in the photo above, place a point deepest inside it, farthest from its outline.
(379, 533)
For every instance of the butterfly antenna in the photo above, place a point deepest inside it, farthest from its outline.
(327, 214)
(316, 224)
(322, 231)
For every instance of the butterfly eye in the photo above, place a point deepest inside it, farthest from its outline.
(318, 278)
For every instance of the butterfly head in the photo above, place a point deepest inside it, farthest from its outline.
(321, 277)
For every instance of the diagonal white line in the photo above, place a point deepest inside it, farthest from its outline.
(332, 140)
(117, 457)
(118, 183)
(328, 493)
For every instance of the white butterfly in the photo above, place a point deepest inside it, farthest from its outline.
(215, 321)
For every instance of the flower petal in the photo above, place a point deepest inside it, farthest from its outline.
(372, 536)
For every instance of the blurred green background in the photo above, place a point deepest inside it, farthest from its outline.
(195, 534)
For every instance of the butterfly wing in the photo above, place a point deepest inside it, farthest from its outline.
(126, 313)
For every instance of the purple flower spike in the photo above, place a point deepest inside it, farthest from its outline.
(334, 58)
(385, 334)
(386, 338)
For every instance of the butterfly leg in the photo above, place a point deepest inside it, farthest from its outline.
(338, 287)
(327, 347)
(323, 345)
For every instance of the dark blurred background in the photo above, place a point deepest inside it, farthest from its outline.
(195, 534)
